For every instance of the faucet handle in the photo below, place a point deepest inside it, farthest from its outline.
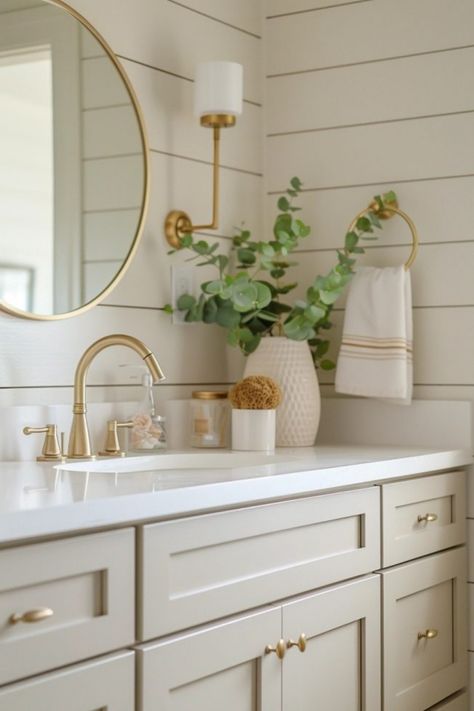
(51, 450)
(112, 444)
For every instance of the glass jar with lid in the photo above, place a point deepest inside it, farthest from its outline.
(209, 419)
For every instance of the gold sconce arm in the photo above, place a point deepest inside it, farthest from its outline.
(178, 223)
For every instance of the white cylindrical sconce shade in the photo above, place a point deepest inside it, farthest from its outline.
(218, 88)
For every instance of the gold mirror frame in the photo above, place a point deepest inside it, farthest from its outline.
(12, 311)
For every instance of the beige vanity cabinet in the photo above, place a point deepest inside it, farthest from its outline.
(106, 684)
(276, 606)
(237, 664)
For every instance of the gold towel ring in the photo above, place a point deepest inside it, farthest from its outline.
(384, 216)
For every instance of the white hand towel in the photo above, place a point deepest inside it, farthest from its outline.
(376, 355)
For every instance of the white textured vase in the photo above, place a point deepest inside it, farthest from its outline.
(291, 365)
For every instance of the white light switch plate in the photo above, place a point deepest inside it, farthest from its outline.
(182, 282)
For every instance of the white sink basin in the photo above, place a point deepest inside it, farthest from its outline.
(187, 461)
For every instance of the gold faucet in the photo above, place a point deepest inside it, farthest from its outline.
(79, 439)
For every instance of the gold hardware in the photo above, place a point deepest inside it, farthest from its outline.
(145, 193)
(428, 634)
(279, 649)
(31, 616)
(209, 395)
(112, 444)
(79, 439)
(301, 643)
(178, 223)
(51, 451)
(385, 214)
(429, 517)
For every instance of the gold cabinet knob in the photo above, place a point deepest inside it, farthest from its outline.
(428, 517)
(42, 613)
(428, 634)
(279, 649)
(301, 643)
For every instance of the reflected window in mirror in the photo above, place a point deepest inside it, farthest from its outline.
(26, 177)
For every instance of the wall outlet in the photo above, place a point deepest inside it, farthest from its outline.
(182, 282)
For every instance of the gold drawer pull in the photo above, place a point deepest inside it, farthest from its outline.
(301, 643)
(428, 634)
(38, 615)
(429, 517)
(279, 649)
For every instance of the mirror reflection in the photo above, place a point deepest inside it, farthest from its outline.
(72, 168)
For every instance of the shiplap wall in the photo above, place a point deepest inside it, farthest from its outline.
(110, 135)
(369, 95)
(159, 43)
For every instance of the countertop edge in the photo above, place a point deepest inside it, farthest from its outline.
(82, 517)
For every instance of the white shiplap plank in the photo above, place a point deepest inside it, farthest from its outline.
(245, 14)
(369, 154)
(12, 397)
(434, 206)
(384, 91)
(162, 34)
(113, 183)
(101, 84)
(167, 103)
(14, 5)
(108, 235)
(288, 7)
(110, 132)
(333, 37)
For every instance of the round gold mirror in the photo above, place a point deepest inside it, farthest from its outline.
(74, 172)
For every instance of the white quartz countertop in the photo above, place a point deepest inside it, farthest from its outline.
(38, 500)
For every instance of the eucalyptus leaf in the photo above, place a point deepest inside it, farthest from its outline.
(283, 204)
(185, 302)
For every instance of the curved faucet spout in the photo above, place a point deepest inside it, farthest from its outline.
(79, 439)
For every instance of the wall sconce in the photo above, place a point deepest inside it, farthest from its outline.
(217, 102)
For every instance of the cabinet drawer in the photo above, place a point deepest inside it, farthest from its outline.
(88, 585)
(206, 567)
(107, 684)
(426, 595)
(457, 702)
(422, 516)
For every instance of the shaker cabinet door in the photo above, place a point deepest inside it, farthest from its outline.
(64, 601)
(425, 658)
(337, 665)
(221, 666)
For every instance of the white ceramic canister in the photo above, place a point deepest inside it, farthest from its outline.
(253, 430)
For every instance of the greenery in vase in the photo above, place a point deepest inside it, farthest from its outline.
(251, 294)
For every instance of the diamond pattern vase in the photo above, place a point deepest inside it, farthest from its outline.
(291, 365)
